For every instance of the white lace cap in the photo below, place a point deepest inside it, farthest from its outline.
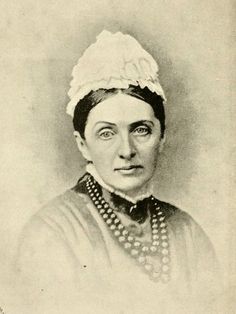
(113, 61)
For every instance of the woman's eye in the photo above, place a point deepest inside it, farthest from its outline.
(106, 134)
(141, 131)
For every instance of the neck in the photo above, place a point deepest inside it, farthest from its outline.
(133, 197)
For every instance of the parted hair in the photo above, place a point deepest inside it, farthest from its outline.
(84, 106)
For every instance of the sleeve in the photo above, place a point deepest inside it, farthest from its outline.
(196, 256)
(208, 274)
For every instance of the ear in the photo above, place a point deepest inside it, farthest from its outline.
(82, 146)
(161, 144)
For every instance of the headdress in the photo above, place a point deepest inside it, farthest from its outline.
(113, 61)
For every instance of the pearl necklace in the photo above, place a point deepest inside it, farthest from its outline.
(156, 252)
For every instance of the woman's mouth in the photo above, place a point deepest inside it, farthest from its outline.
(129, 169)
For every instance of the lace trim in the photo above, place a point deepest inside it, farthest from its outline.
(113, 61)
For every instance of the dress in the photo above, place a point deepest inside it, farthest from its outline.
(68, 245)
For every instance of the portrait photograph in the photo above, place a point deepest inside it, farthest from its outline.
(117, 157)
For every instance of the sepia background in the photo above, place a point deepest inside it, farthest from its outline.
(193, 43)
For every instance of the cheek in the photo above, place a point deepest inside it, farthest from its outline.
(101, 154)
(149, 153)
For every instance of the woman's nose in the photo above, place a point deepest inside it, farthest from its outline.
(126, 149)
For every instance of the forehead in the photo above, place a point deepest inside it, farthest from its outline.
(121, 108)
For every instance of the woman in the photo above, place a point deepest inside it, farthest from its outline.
(110, 233)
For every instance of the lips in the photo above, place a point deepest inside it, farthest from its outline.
(128, 167)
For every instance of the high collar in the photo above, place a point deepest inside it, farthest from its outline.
(145, 192)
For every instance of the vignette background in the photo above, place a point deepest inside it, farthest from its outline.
(193, 43)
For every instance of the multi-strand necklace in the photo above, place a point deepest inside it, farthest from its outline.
(153, 257)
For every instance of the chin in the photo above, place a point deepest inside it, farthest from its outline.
(128, 184)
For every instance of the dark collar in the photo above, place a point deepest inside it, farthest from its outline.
(137, 213)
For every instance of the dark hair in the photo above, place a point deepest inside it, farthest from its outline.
(84, 106)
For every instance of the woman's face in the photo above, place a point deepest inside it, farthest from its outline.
(122, 139)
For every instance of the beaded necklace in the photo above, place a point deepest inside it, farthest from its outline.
(154, 257)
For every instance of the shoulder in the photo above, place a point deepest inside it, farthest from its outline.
(49, 234)
(190, 238)
(188, 235)
(58, 203)
(182, 224)
(175, 215)
(61, 211)
(55, 221)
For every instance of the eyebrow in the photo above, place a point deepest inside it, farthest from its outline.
(136, 123)
(104, 122)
